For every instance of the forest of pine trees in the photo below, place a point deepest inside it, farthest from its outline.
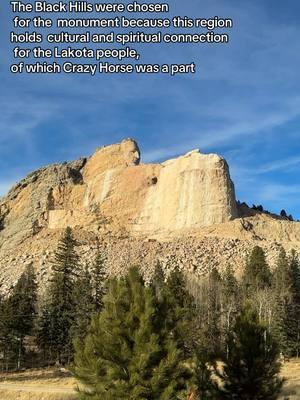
(51, 322)
(125, 339)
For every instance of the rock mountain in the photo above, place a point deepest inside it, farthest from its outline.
(182, 211)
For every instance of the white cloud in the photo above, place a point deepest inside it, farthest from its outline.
(278, 193)
(281, 165)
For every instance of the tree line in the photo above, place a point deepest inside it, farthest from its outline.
(274, 295)
(50, 324)
(125, 339)
(283, 214)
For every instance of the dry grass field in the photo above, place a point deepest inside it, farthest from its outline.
(48, 384)
(291, 371)
(51, 384)
(21, 395)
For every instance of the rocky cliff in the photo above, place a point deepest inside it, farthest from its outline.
(114, 189)
(181, 211)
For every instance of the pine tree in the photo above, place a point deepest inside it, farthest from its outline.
(282, 283)
(281, 278)
(293, 308)
(204, 387)
(45, 334)
(283, 214)
(23, 302)
(257, 274)
(229, 283)
(130, 352)
(21, 307)
(8, 342)
(212, 323)
(60, 310)
(176, 287)
(251, 369)
(84, 307)
(158, 281)
(99, 277)
(256, 285)
(181, 314)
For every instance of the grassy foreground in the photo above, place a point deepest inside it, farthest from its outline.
(291, 371)
(9, 395)
(45, 382)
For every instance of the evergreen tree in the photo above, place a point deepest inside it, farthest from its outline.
(204, 387)
(23, 302)
(45, 333)
(176, 288)
(251, 368)
(84, 307)
(181, 309)
(282, 278)
(282, 283)
(229, 283)
(21, 309)
(293, 308)
(212, 329)
(158, 281)
(8, 342)
(99, 277)
(130, 352)
(283, 214)
(257, 274)
(256, 285)
(60, 310)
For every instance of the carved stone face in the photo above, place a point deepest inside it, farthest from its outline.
(131, 152)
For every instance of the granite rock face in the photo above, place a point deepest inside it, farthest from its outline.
(182, 211)
(113, 188)
(24, 211)
(192, 190)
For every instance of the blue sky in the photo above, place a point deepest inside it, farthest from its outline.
(244, 103)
